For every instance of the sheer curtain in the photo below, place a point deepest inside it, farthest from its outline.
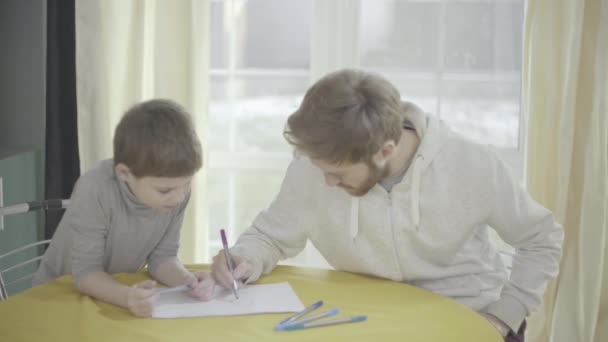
(129, 51)
(565, 94)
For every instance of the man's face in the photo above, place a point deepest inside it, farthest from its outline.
(356, 179)
(159, 193)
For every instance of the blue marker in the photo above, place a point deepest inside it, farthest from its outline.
(313, 306)
(353, 319)
(327, 313)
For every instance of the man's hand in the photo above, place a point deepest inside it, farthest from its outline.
(141, 297)
(202, 286)
(219, 270)
(502, 328)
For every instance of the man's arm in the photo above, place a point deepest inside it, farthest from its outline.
(537, 237)
(280, 231)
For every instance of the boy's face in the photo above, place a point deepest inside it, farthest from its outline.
(356, 179)
(159, 193)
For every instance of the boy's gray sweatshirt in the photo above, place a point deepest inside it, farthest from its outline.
(105, 228)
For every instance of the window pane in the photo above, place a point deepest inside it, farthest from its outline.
(399, 34)
(256, 190)
(277, 34)
(244, 33)
(420, 88)
(469, 36)
(483, 35)
(458, 59)
(484, 111)
(247, 113)
(217, 44)
(237, 196)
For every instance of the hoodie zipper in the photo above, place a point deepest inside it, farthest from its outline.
(394, 237)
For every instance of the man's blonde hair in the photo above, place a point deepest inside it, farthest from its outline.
(346, 117)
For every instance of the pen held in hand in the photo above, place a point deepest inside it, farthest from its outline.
(229, 262)
(353, 319)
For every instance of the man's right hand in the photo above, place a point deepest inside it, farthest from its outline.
(219, 270)
(141, 297)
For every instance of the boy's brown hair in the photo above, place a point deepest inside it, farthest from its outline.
(346, 117)
(156, 139)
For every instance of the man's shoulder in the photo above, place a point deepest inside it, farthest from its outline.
(465, 149)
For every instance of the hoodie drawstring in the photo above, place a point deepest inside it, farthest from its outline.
(415, 200)
(354, 217)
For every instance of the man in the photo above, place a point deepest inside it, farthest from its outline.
(381, 188)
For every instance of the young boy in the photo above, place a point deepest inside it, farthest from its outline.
(382, 188)
(128, 212)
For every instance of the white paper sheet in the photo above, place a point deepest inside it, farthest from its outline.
(263, 298)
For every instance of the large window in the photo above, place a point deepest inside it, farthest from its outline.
(457, 59)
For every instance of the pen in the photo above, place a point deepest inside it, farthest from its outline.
(328, 322)
(172, 289)
(313, 306)
(327, 313)
(229, 261)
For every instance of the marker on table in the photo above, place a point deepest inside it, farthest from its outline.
(327, 313)
(229, 262)
(290, 319)
(353, 319)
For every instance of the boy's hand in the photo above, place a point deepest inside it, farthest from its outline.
(141, 297)
(202, 286)
(219, 270)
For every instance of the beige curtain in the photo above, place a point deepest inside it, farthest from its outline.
(129, 51)
(565, 96)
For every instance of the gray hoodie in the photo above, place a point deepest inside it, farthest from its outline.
(431, 230)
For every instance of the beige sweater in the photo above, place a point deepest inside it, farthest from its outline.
(431, 230)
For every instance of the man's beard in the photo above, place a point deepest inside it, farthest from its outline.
(375, 175)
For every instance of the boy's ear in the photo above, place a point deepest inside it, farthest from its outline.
(384, 153)
(122, 171)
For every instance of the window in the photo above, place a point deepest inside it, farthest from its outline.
(458, 59)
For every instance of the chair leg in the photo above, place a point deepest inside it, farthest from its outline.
(3, 293)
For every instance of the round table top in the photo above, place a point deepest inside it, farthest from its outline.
(396, 312)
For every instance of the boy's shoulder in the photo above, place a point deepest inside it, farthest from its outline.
(97, 180)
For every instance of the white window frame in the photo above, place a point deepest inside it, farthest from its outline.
(335, 45)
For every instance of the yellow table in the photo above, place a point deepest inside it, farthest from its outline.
(397, 312)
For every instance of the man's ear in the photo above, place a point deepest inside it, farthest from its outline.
(385, 153)
(122, 171)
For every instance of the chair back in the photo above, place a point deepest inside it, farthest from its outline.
(22, 268)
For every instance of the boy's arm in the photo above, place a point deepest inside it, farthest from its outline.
(172, 272)
(279, 232)
(139, 298)
(102, 286)
(163, 263)
(537, 237)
